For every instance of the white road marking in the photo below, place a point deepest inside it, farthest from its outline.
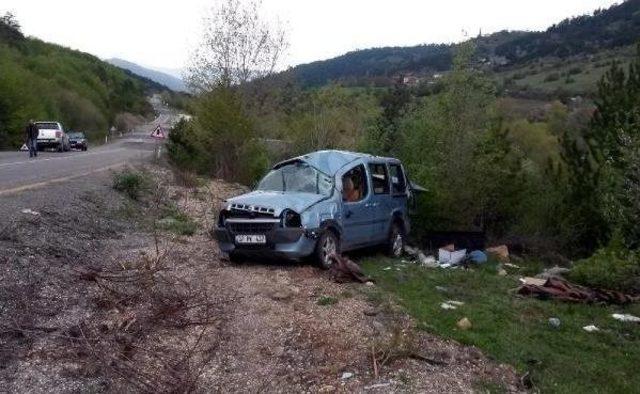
(60, 158)
(57, 180)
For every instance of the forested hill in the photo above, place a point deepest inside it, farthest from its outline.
(605, 29)
(44, 81)
(616, 26)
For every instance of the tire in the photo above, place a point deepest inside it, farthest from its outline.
(327, 244)
(61, 147)
(235, 258)
(396, 241)
(84, 148)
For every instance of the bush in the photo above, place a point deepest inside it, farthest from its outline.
(132, 183)
(610, 268)
(552, 77)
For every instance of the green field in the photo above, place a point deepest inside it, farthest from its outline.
(515, 330)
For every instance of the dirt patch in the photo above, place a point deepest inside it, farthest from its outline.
(98, 302)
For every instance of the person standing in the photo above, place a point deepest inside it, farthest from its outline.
(32, 138)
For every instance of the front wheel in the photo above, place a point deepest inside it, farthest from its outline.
(395, 243)
(328, 245)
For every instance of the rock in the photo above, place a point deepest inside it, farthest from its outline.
(369, 283)
(447, 306)
(370, 311)
(590, 328)
(326, 389)
(346, 375)
(442, 289)
(554, 322)
(502, 272)
(464, 324)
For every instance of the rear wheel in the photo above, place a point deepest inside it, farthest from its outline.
(61, 147)
(395, 243)
(328, 244)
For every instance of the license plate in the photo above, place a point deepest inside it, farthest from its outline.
(251, 239)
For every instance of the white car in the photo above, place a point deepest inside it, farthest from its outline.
(52, 135)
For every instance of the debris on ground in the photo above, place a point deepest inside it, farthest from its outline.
(344, 270)
(346, 375)
(502, 272)
(501, 252)
(477, 257)
(590, 328)
(563, 290)
(511, 265)
(29, 211)
(533, 281)
(626, 318)
(554, 322)
(464, 324)
(553, 272)
(446, 258)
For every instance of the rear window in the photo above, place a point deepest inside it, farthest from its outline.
(47, 126)
(76, 135)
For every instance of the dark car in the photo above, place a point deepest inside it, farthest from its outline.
(78, 141)
(321, 203)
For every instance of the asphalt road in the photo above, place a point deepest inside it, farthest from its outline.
(19, 173)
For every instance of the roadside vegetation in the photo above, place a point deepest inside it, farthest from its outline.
(43, 81)
(515, 330)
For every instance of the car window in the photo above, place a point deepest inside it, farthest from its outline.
(398, 183)
(297, 177)
(354, 184)
(379, 178)
(47, 126)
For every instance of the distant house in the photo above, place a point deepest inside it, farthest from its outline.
(410, 80)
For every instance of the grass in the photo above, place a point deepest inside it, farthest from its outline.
(515, 330)
(177, 222)
(327, 300)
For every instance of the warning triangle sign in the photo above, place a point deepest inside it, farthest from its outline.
(24, 147)
(158, 133)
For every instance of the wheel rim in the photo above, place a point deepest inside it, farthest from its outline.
(397, 245)
(328, 248)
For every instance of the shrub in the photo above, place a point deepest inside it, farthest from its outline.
(552, 77)
(610, 268)
(132, 183)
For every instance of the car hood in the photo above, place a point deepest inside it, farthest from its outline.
(279, 201)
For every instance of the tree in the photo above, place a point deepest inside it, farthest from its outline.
(385, 135)
(237, 46)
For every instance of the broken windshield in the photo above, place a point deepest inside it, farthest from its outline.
(297, 177)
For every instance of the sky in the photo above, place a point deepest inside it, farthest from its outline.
(162, 34)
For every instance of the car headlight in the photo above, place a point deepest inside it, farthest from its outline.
(290, 219)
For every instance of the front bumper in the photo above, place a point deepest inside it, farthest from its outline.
(292, 243)
(77, 145)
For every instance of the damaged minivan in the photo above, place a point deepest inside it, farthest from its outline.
(317, 204)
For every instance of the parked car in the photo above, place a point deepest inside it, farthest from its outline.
(78, 141)
(52, 135)
(317, 204)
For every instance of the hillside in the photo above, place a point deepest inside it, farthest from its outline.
(171, 82)
(44, 81)
(615, 27)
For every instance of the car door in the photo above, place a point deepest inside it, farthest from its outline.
(357, 224)
(380, 200)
